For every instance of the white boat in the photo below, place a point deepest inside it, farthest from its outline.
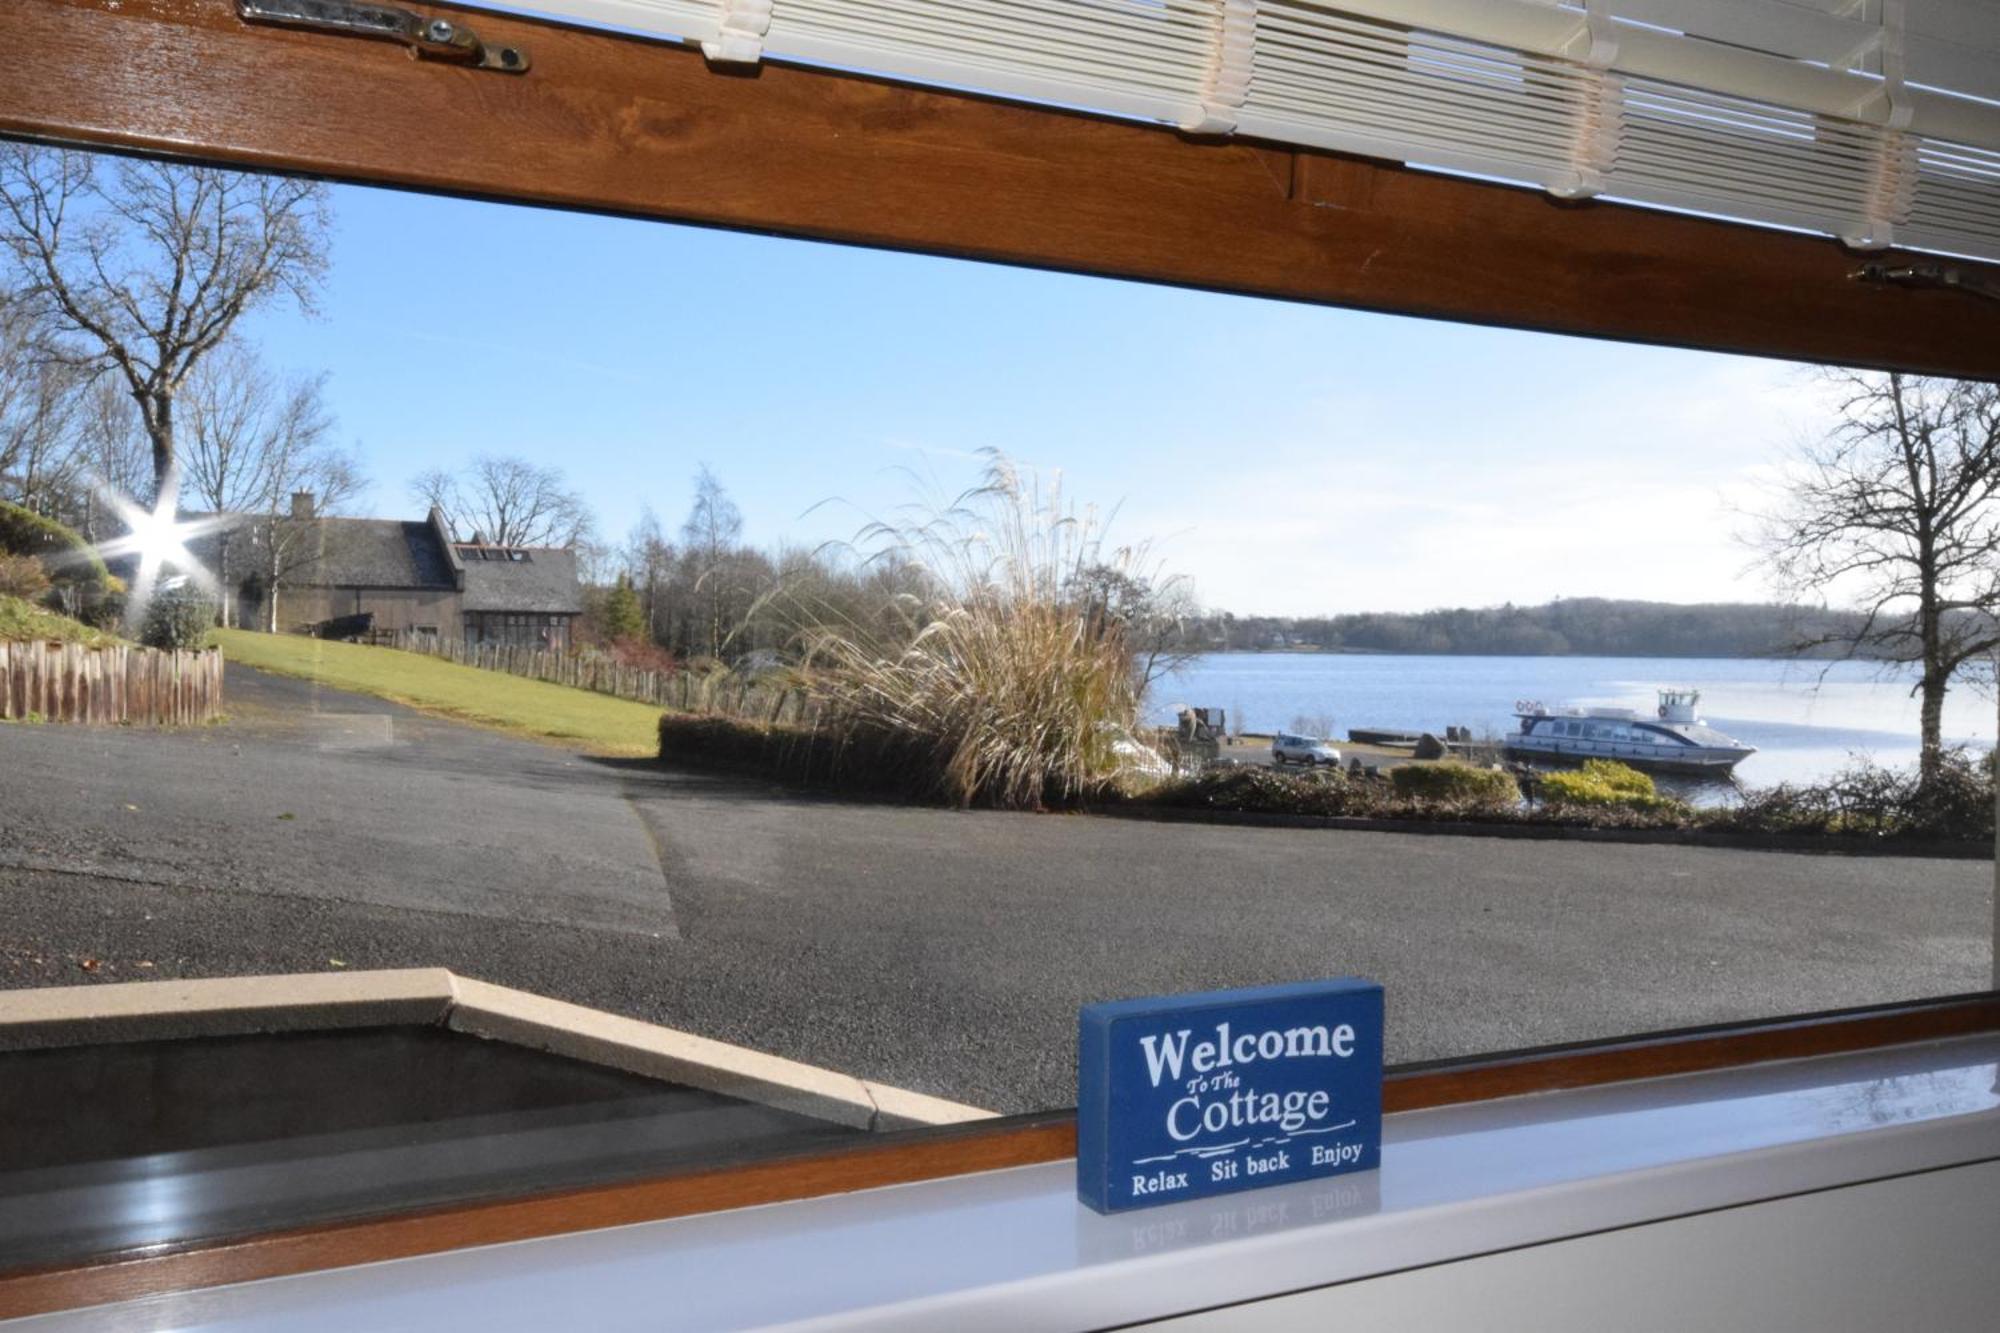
(1674, 739)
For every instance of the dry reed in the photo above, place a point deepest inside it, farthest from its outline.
(992, 677)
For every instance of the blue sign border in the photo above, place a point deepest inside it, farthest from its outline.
(1121, 1113)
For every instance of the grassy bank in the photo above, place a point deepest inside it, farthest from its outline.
(531, 708)
(23, 621)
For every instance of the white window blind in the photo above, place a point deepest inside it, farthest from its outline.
(1877, 121)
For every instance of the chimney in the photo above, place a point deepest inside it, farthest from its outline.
(302, 504)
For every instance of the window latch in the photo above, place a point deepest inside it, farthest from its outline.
(436, 38)
(1949, 277)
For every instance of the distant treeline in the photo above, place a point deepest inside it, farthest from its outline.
(1585, 627)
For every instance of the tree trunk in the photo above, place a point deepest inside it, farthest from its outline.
(1931, 725)
(228, 608)
(158, 415)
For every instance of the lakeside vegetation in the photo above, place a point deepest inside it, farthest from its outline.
(1578, 627)
(1866, 802)
(531, 708)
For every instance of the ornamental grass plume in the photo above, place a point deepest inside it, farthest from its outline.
(991, 674)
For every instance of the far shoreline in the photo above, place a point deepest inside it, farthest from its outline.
(1315, 651)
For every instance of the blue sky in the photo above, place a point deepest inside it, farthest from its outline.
(1288, 459)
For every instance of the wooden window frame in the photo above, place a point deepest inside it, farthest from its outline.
(623, 125)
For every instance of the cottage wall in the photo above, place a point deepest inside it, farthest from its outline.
(394, 609)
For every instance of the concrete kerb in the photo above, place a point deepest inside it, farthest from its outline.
(39, 1019)
(221, 1007)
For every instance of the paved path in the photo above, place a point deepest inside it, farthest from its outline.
(934, 949)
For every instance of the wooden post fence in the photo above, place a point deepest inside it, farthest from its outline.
(69, 682)
(683, 691)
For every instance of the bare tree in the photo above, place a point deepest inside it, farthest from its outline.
(116, 456)
(1155, 615)
(1896, 509)
(250, 444)
(41, 458)
(709, 538)
(507, 501)
(649, 559)
(143, 267)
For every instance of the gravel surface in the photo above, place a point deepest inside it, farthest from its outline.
(939, 950)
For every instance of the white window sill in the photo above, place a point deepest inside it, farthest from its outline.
(1014, 1250)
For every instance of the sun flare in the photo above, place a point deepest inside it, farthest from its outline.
(159, 539)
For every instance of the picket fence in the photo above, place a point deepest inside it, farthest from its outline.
(721, 692)
(68, 682)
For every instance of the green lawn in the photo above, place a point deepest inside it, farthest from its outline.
(532, 708)
(23, 620)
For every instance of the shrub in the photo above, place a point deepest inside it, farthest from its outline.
(1269, 791)
(1619, 777)
(178, 617)
(1603, 783)
(23, 576)
(1866, 799)
(643, 655)
(1456, 784)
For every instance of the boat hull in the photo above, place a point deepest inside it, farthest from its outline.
(1710, 759)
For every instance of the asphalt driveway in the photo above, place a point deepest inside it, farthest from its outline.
(939, 950)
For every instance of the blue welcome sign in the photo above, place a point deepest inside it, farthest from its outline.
(1187, 1096)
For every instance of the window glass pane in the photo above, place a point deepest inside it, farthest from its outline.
(543, 676)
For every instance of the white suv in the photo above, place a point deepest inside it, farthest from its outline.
(1287, 749)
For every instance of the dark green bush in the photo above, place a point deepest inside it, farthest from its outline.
(1485, 793)
(858, 758)
(178, 617)
(1457, 784)
(1269, 791)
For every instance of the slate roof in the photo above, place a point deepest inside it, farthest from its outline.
(544, 582)
(390, 553)
(379, 553)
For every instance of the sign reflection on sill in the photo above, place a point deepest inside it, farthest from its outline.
(1108, 1239)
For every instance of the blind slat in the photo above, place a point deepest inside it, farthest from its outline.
(1877, 122)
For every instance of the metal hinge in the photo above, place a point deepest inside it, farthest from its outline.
(439, 39)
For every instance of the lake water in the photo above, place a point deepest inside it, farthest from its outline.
(1807, 719)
